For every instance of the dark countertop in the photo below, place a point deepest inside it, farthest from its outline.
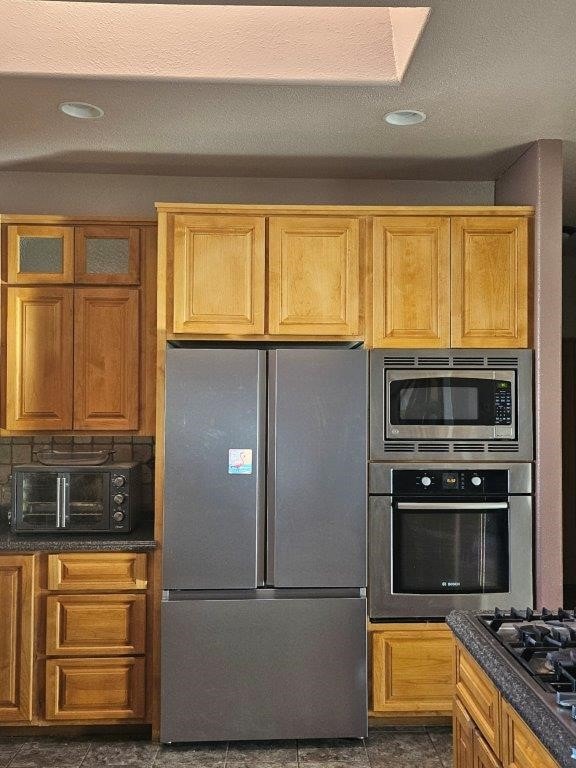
(537, 707)
(140, 540)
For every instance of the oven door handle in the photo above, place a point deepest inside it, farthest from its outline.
(58, 501)
(470, 505)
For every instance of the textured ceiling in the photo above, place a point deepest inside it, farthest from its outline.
(492, 76)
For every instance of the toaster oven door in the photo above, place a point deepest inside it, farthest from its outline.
(85, 501)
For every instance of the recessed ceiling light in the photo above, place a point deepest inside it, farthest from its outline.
(405, 117)
(81, 110)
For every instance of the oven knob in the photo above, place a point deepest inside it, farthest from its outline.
(118, 516)
(118, 481)
(426, 481)
(119, 498)
(475, 480)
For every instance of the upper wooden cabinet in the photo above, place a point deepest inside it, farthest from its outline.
(314, 276)
(489, 282)
(219, 274)
(16, 637)
(411, 290)
(98, 254)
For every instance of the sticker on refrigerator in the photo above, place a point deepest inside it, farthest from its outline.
(240, 461)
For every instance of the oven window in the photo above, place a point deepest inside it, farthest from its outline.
(39, 499)
(442, 400)
(446, 551)
(87, 500)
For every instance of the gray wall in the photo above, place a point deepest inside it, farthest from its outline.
(118, 195)
(536, 179)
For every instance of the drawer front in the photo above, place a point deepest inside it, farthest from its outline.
(95, 625)
(112, 571)
(479, 696)
(483, 755)
(520, 747)
(95, 689)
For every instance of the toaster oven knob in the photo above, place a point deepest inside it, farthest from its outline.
(118, 516)
(119, 498)
(118, 481)
(475, 480)
(426, 481)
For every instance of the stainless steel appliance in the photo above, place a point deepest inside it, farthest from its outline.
(456, 404)
(264, 608)
(75, 499)
(448, 537)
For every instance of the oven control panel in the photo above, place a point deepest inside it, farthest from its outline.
(445, 482)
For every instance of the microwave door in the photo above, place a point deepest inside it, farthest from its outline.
(85, 501)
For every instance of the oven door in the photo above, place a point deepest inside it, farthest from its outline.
(429, 557)
(85, 501)
(444, 404)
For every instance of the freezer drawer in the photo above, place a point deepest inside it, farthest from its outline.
(256, 668)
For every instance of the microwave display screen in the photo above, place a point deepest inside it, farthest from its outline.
(442, 401)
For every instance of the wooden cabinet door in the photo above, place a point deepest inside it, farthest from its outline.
(479, 696)
(462, 737)
(39, 359)
(107, 255)
(489, 281)
(40, 254)
(483, 755)
(411, 281)
(314, 276)
(412, 670)
(106, 358)
(219, 274)
(95, 689)
(16, 637)
(520, 747)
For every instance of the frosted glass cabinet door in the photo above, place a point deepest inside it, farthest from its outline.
(107, 255)
(40, 254)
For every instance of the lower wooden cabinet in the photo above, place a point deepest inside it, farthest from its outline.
(483, 755)
(411, 670)
(479, 695)
(95, 689)
(16, 637)
(520, 748)
(73, 638)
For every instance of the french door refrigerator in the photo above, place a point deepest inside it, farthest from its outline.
(264, 575)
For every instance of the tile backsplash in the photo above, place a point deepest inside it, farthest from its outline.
(21, 450)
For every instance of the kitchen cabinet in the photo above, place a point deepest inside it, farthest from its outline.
(16, 637)
(411, 669)
(303, 281)
(79, 326)
(487, 731)
(103, 254)
(450, 281)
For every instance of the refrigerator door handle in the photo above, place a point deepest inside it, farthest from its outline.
(271, 469)
(261, 470)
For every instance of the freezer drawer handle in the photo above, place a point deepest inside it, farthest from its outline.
(470, 505)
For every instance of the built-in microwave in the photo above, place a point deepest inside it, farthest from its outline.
(75, 499)
(456, 404)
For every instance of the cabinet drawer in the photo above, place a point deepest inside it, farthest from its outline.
(483, 755)
(95, 689)
(98, 572)
(520, 747)
(479, 696)
(93, 625)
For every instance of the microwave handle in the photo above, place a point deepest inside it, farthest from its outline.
(452, 505)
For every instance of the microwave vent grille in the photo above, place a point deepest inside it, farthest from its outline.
(401, 447)
(503, 447)
(433, 362)
(468, 362)
(470, 447)
(503, 362)
(400, 362)
(434, 447)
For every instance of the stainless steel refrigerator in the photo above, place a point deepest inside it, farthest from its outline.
(264, 575)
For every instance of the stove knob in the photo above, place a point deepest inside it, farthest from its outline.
(118, 516)
(426, 481)
(119, 498)
(118, 481)
(475, 480)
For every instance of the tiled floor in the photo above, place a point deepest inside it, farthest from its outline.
(384, 748)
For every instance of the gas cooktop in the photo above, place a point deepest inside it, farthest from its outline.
(544, 644)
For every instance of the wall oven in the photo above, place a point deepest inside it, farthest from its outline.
(463, 404)
(74, 499)
(449, 537)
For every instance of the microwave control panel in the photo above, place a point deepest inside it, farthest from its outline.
(448, 482)
(502, 402)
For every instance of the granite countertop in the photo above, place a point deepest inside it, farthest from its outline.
(139, 540)
(537, 707)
